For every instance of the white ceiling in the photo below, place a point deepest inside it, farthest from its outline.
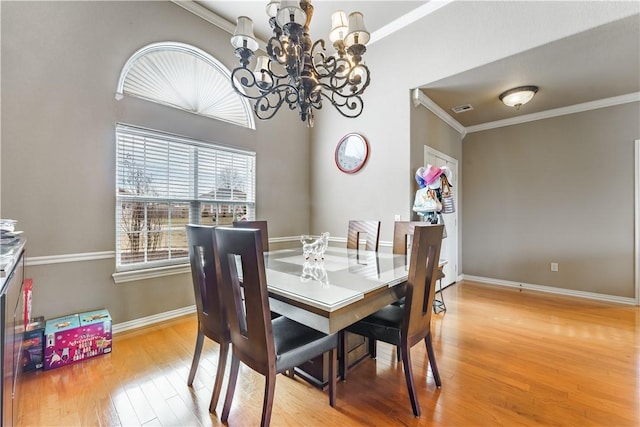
(597, 64)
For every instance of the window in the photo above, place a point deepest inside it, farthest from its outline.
(164, 182)
(185, 77)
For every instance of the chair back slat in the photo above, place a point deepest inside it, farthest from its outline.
(358, 228)
(260, 225)
(249, 321)
(210, 310)
(421, 282)
(403, 235)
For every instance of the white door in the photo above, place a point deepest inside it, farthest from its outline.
(449, 250)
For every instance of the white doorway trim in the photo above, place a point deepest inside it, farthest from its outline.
(452, 270)
(637, 227)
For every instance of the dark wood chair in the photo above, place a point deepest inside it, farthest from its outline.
(352, 347)
(212, 319)
(267, 346)
(407, 325)
(260, 225)
(402, 236)
(359, 228)
(264, 233)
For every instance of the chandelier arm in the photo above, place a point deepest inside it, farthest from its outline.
(249, 81)
(349, 106)
(339, 73)
(270, 96)
(336, 84)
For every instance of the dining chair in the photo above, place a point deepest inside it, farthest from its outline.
(212, 318)
(268, 346)
(264, 233)
(407, 325)
(358, 229)
(260, 225)
(402, 237)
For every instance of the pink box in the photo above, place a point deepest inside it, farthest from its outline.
(77, 337)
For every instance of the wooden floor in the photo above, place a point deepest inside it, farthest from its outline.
(506, 358)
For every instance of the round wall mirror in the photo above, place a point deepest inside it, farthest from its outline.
(351, 153)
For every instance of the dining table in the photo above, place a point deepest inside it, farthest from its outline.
(334, 291)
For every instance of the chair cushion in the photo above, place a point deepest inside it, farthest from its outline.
(296, 343)
(399, 302)
(383, 325)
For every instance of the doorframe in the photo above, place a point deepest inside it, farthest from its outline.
(430, 150)
(637, 225)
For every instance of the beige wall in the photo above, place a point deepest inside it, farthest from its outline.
(555, 190)
(60, 66)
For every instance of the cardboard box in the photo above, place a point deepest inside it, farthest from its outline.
(74, 338)
(33, 345)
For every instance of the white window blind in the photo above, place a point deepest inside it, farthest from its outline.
(164, 182)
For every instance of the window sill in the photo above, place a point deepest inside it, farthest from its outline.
(150, 273)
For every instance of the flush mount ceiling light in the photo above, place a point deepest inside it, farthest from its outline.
(518, 96)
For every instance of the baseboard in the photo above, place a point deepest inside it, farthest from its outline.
(551, 290)
(150, 320)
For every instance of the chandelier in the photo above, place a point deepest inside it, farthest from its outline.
(297, 71)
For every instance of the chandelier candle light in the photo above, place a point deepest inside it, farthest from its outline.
(297, 71)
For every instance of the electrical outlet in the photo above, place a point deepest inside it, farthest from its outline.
(396, 218)
(554, 266)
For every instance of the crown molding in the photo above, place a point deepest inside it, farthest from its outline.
(556, 112)
(212, 18)
(419, 98)
(390, 28)
(409, 18)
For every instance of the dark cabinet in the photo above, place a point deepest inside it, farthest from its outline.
(12, 306)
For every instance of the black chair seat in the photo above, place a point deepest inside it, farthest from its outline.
(384, 324)
(296, 343)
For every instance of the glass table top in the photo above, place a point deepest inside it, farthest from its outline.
(342, 277)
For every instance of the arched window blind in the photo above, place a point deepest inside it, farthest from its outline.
(185, 77)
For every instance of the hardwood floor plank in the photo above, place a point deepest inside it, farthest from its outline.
(163, 413)
(141, 406)
(506, 357)
(126, 412)
(183, 411)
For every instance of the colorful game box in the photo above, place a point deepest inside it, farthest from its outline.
(33, 345)
(71, 339)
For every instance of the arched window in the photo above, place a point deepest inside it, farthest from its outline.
(185, 77)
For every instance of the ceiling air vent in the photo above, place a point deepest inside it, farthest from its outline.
(462, 108)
